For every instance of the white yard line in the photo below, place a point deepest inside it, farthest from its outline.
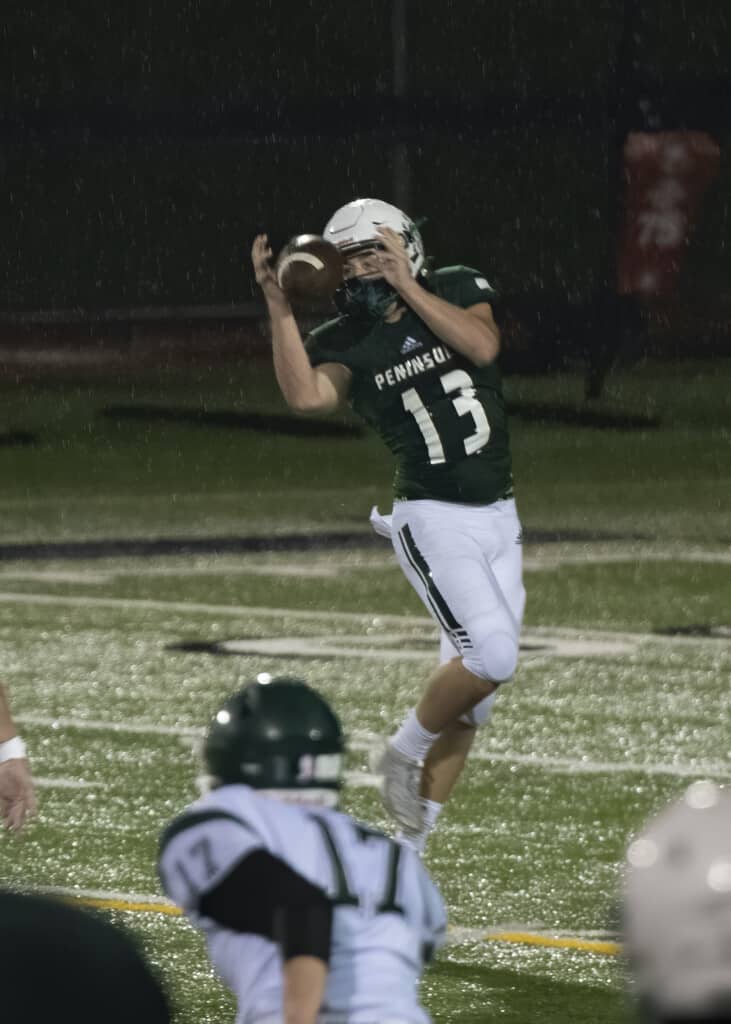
(95, 725)
(548, 560)
(87, 579)
(42, 783)
(196, 608)
(315, 571)
(581, 766)
(537, 644)
(96, 578)
(577, 636)
(366, 742)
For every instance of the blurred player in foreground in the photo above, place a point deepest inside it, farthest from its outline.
(677, 911)
(17, 795)
(310, 916)
(60, 963)
(414, 352)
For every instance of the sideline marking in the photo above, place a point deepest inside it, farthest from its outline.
(143, 904)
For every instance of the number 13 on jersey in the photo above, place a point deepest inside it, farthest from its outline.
(465, 404)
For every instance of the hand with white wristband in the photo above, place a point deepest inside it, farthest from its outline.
(17, 794)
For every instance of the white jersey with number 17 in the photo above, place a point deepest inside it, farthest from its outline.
(388, 914)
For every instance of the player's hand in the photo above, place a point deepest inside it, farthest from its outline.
(17, 795)
(393, 260)
(261, 257)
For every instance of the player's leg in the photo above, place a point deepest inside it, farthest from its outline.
(452, 690)
(442, 768)
(444, 763)
(458, 561)
(489, 599)
(445, 759)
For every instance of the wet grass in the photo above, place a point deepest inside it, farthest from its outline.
(91, 475)
(612, 737)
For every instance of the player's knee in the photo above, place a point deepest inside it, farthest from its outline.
(494, 658)
(479, 715)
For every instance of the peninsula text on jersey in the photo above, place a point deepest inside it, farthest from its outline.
(411, 367)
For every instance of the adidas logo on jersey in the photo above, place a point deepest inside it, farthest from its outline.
(410, 344)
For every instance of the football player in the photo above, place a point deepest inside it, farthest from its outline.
(676, 910)
(310, 916)
(17, 794)
(414, 353)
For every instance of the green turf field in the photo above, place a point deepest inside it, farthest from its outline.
(115, 658)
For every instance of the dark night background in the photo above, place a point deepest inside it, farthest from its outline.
(143, 145)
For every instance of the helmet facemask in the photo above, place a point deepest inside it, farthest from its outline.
(365, 298)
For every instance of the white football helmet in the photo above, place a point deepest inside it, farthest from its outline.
(676, 905)
(353, 227)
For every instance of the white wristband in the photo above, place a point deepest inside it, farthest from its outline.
(11, 749)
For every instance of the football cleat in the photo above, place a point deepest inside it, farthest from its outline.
(400, 787)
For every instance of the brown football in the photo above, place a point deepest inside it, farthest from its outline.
(309, 269)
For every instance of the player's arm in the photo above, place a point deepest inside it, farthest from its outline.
(263, 895)
(17, 795)
(305, 389)
(8, 730)
(472, 331)
(304, 989)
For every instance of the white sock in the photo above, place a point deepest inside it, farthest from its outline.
(432, 810)
(417, 840)
(412, 739)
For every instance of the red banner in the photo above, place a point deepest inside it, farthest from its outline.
(666, 176)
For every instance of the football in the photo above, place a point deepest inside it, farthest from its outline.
(309, 269)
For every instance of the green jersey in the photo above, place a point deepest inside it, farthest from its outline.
(441, 416)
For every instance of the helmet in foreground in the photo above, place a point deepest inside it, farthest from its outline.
(276, 734)
(677, 909)
(353, 229)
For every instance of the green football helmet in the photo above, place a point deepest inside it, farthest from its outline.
(275, 733)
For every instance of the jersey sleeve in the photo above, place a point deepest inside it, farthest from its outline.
(263, 895)
(463, 286)
(199, 849)
(329, 343)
